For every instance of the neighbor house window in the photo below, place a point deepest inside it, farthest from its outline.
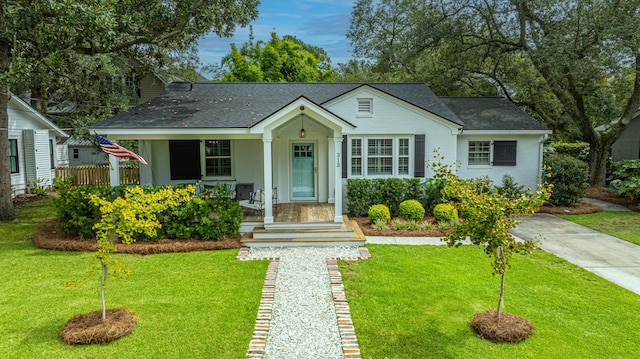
(365, 107)
(13, 155)
(52, 157)
(76, 153)
(356, 157)
(479, 152)
(380, 156)
(217, 158)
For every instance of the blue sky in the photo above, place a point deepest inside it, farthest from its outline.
(322, 23)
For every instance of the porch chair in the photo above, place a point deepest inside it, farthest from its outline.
(255, 202)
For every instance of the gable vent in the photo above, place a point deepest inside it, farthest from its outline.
(364, 106)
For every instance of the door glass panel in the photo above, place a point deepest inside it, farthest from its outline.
(302, 169)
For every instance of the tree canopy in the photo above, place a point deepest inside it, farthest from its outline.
(572, 64)
(61, 41)
(286, 59)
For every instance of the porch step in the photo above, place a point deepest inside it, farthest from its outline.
(305, 230)
(306, 238)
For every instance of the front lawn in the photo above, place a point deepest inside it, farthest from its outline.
(416, 302)
(624, 225)
(189, 305)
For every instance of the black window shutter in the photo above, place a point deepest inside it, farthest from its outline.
(505, 153)
(418, 164)
(344, 156)
(184, 159)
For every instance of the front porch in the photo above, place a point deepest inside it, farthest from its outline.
(300, 224)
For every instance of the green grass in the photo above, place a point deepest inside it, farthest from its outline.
(189, 305)
(416, 302)
(624, 225)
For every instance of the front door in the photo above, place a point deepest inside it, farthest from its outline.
(303, 171)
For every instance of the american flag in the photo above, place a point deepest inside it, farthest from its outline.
(112, 148)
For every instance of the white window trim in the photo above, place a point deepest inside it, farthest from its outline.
(203, 159)
(395, 155)
(480, 165)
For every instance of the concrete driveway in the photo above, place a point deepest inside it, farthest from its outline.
(611, 258)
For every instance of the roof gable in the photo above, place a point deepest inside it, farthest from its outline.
(34, 115)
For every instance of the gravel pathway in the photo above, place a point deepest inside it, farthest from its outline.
(303, 319)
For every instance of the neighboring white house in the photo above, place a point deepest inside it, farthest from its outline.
(35, 147)
(306, 139)
(84, 152)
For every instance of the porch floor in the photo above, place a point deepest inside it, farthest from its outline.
(295, 213)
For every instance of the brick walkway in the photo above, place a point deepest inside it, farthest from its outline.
(350, 346)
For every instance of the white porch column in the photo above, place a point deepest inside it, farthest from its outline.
(114, 171)
(268, 179)
(337, 177)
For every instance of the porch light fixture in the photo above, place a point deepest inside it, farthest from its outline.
(303, 133)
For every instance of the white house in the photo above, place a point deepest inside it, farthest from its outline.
(306, 139)
(34, 147)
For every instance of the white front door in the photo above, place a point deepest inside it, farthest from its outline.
(303, 171)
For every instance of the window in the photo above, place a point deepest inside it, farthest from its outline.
(217, 158)
(356, 157)
(52, 157)
(403, 156)
(479, 152)
(380, 156)
(365, 107)
(504, 153)
(13, 156)
(76, 153)
(184, 159)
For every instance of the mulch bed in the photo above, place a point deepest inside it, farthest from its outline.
(50, 236)
(605, 194)
(89, 328)
(509, 328)
(368, 230)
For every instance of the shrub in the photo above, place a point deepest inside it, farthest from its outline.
(399, 224)
(379, 212)
(578, 150)
(431, 194)
(379, 225)
(426, 225)
(569, 178)
(445, 212)
(411, 210)
(358, 196)
(510, 188)
(75, 212)
(628, 173)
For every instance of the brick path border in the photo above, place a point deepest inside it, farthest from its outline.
(350, 346)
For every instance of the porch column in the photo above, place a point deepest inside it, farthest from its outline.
(114, 171)
(268, 180)
(337, 177)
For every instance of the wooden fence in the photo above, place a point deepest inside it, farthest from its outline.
(98, 174)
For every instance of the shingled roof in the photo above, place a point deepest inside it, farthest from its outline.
(491, 114)
(243, 105)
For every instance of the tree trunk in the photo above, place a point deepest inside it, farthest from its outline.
(598, 157)
(7, 211)
(102, 288)
(504, 271)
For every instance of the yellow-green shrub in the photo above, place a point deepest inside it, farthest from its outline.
(411, 210)
(379, 212)
(445, 212)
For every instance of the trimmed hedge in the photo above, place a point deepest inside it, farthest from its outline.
(379, 212)
(364, 193)
(411, 210)
(570, 179)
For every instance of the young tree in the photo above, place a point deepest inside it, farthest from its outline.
(573, 64)
(488, 217)
(277, 60)
(57, 32)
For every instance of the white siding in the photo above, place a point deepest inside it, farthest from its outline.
(528, 160)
